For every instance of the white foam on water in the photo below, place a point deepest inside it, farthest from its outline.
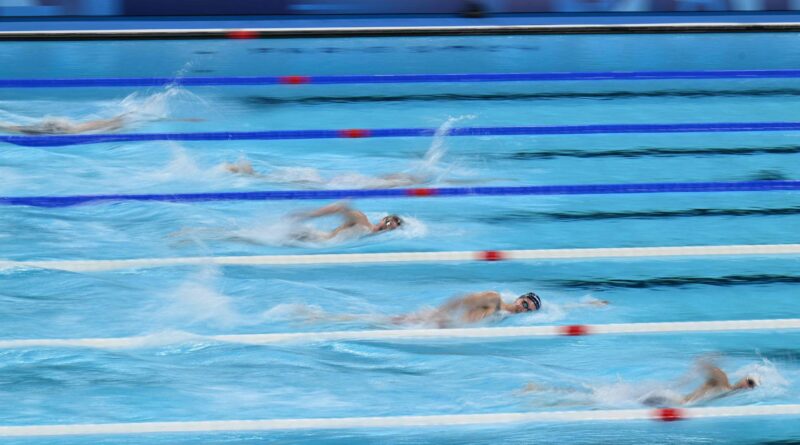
(295, 175)
(8, 117)
(10, 179)
(181, 166)
(137, 107)
(771, 382)
(281, 232)
(430, 166)
(197, 300)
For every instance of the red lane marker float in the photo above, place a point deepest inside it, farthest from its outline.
(574, 330)
(491, 255)
(421, 192)
(294, 80)
(243, 34)
(354, 133)
(669, 414)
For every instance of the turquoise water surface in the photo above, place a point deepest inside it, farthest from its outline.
(175, 378)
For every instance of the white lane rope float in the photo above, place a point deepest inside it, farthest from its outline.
(401, 257)
(660, 414)
(172, 337)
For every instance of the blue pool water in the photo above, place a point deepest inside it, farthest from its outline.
(173, 379)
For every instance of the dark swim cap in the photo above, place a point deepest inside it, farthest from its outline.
(533, 297)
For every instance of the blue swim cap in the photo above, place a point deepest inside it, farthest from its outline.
(537, 301)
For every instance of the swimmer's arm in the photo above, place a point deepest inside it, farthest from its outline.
(475, 300)
(716, 379)
(99, 124)
(352, 217)
(183, 119)
(716, 376)
(331, 209)
(478, 314)
(481, 305)
(338, 230)
(698, 393)
(592, 303)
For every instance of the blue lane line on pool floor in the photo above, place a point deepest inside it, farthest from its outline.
(76, 139)
(395, 78)
(583, 189)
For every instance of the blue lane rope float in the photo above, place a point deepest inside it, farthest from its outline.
(712, 127)
(395, 78)
(583, 189)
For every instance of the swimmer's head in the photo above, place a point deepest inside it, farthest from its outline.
(527, 303)
(390, 222)
(55, 126)
(748, 382)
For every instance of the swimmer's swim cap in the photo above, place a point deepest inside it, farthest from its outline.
(533, 297)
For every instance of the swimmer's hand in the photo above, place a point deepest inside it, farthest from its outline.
(592, 302)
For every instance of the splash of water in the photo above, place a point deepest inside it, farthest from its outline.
(197, 301)
(158, 106)
(771, 382)
(180, 166)
(429, 165)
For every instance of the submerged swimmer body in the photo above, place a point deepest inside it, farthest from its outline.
(716, 385)
(354, 221)
(472, 308)
(66, 126)
(245, 168)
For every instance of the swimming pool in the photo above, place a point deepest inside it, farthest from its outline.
(174, 377)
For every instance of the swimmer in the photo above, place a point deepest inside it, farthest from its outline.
(472, 308)
(354, 220)
(245, 168)
(66, 126)
(467, 309)
(716, 385)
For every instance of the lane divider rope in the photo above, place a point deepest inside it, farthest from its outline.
(450, 192)
(395, 78)
(389, 31)
(661, 414)
(403, 257)
(710, 127)
(159, 339)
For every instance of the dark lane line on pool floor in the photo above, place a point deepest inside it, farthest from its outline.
(634, 214)
(681, 281)
(610, 95)
(650, 152)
